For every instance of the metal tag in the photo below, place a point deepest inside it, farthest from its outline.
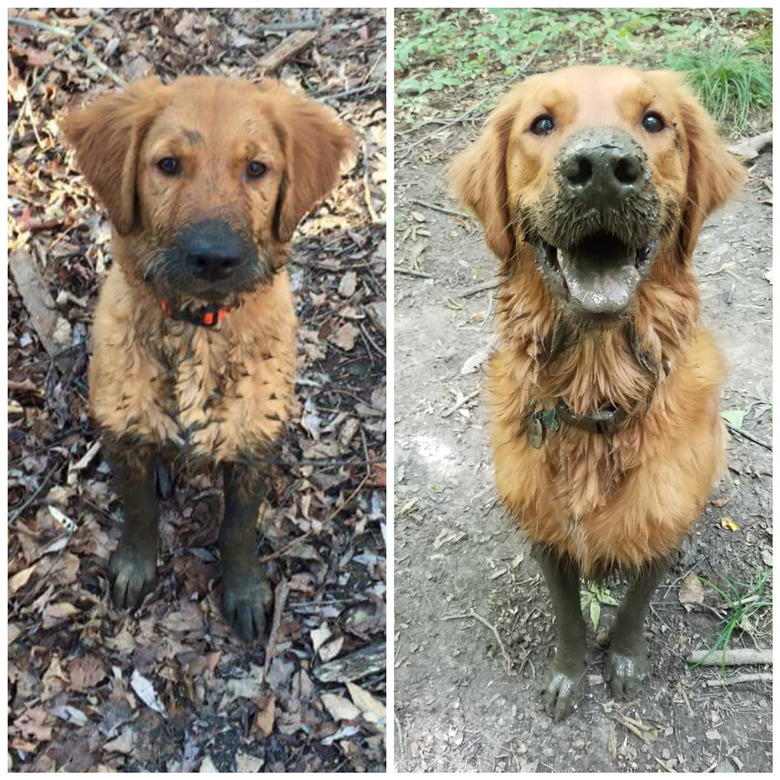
(535, 431)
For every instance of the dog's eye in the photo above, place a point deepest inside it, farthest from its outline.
(169, 166)
(543, 125)
(255, 169)
(652, 122)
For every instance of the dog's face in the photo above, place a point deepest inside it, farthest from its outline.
(600, 170)
(206, 179)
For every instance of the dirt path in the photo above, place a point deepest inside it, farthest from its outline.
(459, 708)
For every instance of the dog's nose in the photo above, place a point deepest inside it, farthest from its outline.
(602, 167)
(213, 250)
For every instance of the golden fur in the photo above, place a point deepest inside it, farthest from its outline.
(225, 392)
(603, 500)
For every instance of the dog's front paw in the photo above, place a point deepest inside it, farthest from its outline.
(246, 600)
(562, 688)
(132, 573)
(626, 672)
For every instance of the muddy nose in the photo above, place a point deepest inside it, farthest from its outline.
(602, 167)
(213, 250)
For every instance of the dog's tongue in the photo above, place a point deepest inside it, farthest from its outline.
(599, 288)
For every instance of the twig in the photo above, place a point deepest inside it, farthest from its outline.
(308, 534)
(736, 657)
(286, 49)
(490, 284)
(472, 614)
(410, 272)
(749, 436)
(371, 341)
(45, 481)
(367, 188)
(738, 679)
(280, 598)
(434, 207)
(74, 40)
(454, 408)
(287, 26)
(373, 87)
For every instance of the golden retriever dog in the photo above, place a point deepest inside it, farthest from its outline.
(193, 344)
(592, 184)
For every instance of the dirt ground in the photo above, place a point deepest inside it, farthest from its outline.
(458, 706)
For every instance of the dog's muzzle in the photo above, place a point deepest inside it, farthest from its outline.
(596, 239)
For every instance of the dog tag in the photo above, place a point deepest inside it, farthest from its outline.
(535, 431)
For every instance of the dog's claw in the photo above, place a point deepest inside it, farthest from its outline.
(132, 574)
(245, 603)
(626, 673)
(561, 690)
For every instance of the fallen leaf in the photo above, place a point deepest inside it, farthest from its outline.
(447, 535)
(319, 636)
(345, 336)
(146, 692)
(338, 707)
(348, 284)
(332, 649)
(372, 709)
(727, 522)
(691, 591)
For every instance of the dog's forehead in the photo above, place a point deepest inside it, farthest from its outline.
(200, 111)
(596, 88)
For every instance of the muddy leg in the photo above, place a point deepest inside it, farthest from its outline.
(246, 595)
(626, 661)
(562, 685)
(133, 565)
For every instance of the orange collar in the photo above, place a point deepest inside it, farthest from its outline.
(207, 317)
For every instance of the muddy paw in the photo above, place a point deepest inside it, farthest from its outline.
(132, 573)
(625, 672)
(246, 600)
(562, 689)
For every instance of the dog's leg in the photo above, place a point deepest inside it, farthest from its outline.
(133, 565)
(246, 595)
(562, 685)
(626, 661)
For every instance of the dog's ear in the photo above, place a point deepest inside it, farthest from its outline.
(713, 172)
(107, 135)
(479, 177)
(315, 143)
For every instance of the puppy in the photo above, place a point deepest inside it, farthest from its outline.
(193, 344)
(592, 184)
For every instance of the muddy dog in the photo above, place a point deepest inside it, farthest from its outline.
(592, 184)
(193, 345)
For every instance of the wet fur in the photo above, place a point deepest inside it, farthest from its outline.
(222, 394)
(617, 501)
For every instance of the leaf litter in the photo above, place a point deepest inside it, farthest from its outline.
(168, 688)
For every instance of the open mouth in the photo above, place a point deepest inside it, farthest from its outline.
(599, 274)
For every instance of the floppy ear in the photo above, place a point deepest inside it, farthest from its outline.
(713, 172)
(315, 143)
(107, 135)
(479, 178)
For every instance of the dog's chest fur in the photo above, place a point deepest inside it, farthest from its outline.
(222, 394)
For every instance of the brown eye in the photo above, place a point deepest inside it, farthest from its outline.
(652, 122)
(255, 169)
(543, 125)
(169, 166)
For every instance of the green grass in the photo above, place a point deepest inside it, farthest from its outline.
(727, 51)
(741, 606)
(732, 82)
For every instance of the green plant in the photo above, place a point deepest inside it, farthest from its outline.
(740, 607)
(731, 81)
(593, 597)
